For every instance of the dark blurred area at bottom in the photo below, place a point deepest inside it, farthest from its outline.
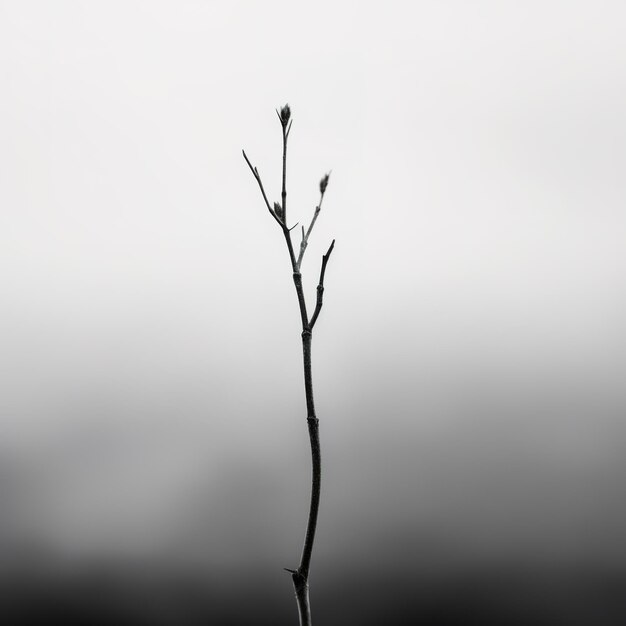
(149, 596)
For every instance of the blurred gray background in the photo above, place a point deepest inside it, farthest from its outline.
(468, 363)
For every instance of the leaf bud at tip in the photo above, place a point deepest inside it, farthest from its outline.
(324, 183)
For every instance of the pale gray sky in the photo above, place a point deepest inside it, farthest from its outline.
(478, 152)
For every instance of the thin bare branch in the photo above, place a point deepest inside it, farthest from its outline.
(256, 175)
(284, 190)
(300, 575)
(305, 237)
(320, 286)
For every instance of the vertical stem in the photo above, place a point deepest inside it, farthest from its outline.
(316, 457)
(297, 280)
(301, 575)
(284, 191)
(302, 598)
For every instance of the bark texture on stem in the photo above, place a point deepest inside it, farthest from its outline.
(300, 576)
(301, 587)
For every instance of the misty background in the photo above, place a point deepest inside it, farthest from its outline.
(468, 363)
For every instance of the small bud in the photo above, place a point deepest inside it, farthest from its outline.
(285, 115)
(324, 183)
(278, 210)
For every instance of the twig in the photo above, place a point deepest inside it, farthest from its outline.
(255, 173)
(318, 208)
(284, 121)
(320, 286)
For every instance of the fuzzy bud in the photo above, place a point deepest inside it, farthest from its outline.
(324, 183)
(278, 210)
(285, 115)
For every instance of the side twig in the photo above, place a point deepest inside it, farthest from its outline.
(318, 208)
(256, 175)
(320, 286)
